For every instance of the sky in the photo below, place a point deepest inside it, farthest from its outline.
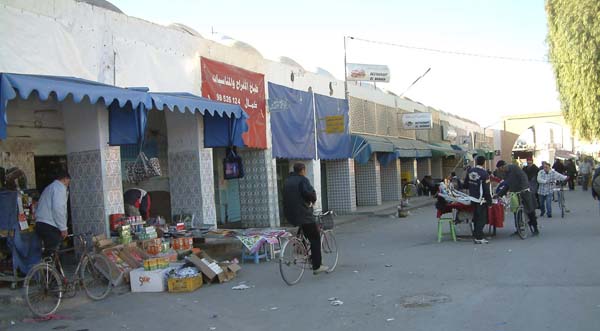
(313, 32)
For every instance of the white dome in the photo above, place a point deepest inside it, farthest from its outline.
(186, 29)
(102, 4)
(289, 61)
(239, 45)
(323, 72)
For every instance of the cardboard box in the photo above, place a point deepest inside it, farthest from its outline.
(209, 267)
(230, 270)
(190, 284)
(134, 256)
(148, 281)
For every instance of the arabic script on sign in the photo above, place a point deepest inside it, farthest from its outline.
(334, 124)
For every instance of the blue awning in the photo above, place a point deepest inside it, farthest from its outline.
(20, 85)
(364, 145)
(224, 123)
(186, 101)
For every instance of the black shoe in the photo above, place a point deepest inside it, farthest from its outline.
(542, 214)
(536, 233)
(549, 216)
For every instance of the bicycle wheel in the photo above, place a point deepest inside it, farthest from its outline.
(521, 224)
(95, 276)
(293, 260)
(329, 250)
(43, 289)
(561, 204)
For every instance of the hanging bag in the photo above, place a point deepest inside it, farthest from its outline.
(232, 165)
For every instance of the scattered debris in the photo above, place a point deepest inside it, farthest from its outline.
(274, 308)
(390, 319)
(510, 250)
(212, 328)
(241, 287)
(355, 271)
(424, 300)
(12, 323)
(388, 265)
(196, 301)
(332, 299)
(60, 327)
(378, 295)
(213, 316)
(337, 302)
(51, 317)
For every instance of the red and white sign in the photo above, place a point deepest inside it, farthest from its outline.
(226, 83)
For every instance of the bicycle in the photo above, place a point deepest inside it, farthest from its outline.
(295, 253)
(46, 283)
(561, 198)
(516, 206)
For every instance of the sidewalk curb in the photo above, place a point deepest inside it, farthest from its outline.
(345, 219)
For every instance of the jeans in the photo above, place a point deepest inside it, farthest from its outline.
(50, 237)
(480, 219)
(586, 180)
(546, 204)
(311, 232)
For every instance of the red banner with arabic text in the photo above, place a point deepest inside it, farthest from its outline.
(226, 83)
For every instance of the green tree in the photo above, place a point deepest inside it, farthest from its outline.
(574, 40)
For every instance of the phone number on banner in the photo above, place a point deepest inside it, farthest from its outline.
(228, 99)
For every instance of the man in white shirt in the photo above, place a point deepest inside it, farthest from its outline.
(585, 169)
(547, 178)
(51, 213)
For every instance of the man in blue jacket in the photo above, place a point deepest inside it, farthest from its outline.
(478, 182)
(298, 198)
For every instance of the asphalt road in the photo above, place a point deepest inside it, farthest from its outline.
(551, 282)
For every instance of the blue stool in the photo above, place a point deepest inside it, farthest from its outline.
(261, 253)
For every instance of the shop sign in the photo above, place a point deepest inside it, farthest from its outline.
(367, 72)
(417, 121)
(226, 83)
(334, 124)
(448, 133)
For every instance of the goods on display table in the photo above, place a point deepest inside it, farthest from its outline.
(153, 263)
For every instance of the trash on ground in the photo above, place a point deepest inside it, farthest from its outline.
(332, 299)
(337, 302)
(379, 295)
(241, 287)
(390, 319)
(51, 317)
(274, 308)
(355, 271)
(212, 328)
(388, 265)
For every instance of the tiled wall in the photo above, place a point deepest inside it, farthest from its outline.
(408, 168)
(88, 210)
(112, 182)
(391, 184)
(436, 167)
(18, 153)
(341, 186)
(258, 189)
(192, 186)
(423, 167)
(368, 183)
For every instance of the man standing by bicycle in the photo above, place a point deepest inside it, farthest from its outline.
(478, 182)
(51, 213)
(547, 178)
(516, 181)
(298, 198)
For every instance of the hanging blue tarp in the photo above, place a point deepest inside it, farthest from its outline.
(224, 131)
(333, 138)
(13, 85)
(126, 125)
(224, 123)
(292, 123)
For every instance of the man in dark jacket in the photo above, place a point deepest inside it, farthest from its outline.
(571, 170)
(298, 198)
(478, 182)
(517, 181)
(532, 171)
(559, 167)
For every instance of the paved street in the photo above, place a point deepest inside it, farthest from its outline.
(547, 283)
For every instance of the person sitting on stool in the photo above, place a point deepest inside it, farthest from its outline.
(137, 203)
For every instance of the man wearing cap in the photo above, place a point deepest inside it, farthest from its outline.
(517, 181)
(478, 183)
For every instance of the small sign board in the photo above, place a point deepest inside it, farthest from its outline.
(417, 121)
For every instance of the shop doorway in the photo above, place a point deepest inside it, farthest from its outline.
(283, 172)
(47, 168)
(227, 192)
(324, 199)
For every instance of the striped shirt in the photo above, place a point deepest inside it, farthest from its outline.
(548, 181)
